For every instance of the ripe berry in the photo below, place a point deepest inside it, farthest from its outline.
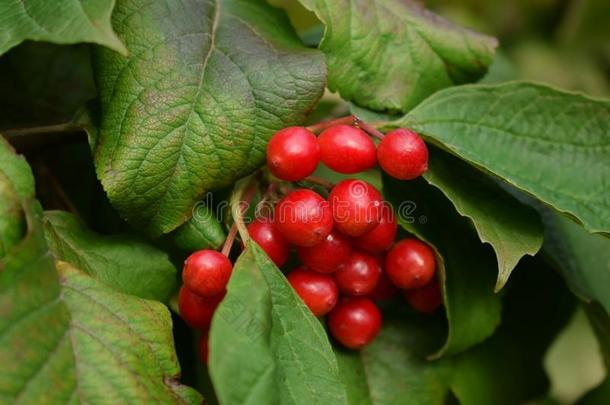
(358, 275)
(267, 236)
(355, 322)
(384, 290)
(197, 311)
(381, 237)
(207, 272)
(326, 256)
(425, 299)
(203, 347)
(403, 154)
(356, 206)
(346, 149)
(318, 291)
(410, 264)
(304, 218)
(293, 153)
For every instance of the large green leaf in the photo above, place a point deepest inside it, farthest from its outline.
(58, 21)
(582, 258)
(192, 107)
(122, 262)
(266, 346)
(467, 267)
(67, 338)
(393, 369)
(510, 227)
(552, 144)
(391, 54)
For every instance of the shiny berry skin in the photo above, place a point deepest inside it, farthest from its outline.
(318, 291)
(403, 154)
(293, 153)
(384, 290)
(356, 206)
(197, 311)
(355, 322)
(358, 275)
(269, 238)
(425, 299)
(326, 256)
(304, 218)
(207, 272)
(381, 237)
(410, 264)
(346, 149)
(203, 347)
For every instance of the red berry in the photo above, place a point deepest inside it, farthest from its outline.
(318, 291)
(381, 237)
(384, 290)
(293, 153)
(356, 206)
(267, 236)
(203, 347)
(358, 275)
(403, 154)
(304, 218)
(207, 272)
(197, 311)
(425, 299)
(347, 149)
(326, 256)
(410, 264)
(355, 322)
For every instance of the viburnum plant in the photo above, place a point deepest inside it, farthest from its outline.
(198, 203)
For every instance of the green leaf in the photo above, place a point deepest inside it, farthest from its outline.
(508, 367)
(582, 258)
(202, 231)
(551, 144)
(68, 338)
(16, 185)
(16, 169)
(60, 21)
(511, 228)
(122, 262)
(467, 267)
(393, 369)
(193, 106)
(265, 344)
(391, 54)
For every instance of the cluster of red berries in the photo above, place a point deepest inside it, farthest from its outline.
(346, 243)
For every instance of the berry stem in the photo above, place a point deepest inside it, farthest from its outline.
(349, 120)
(319, 181)
(369, 129)
(240, 199)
